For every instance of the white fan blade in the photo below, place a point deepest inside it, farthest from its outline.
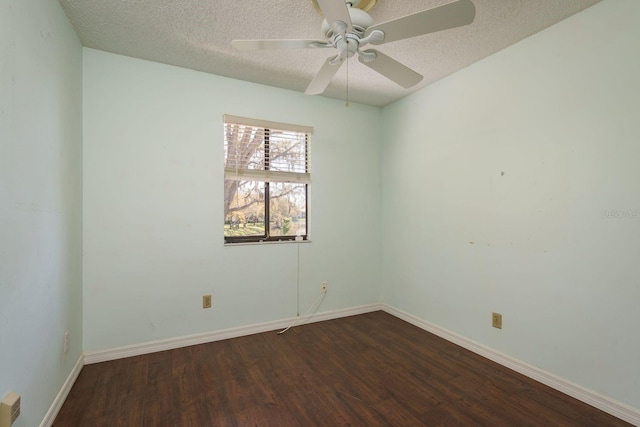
(451, 15)
(335, 10)
(275, 44)
(323, 78)
(391, 69)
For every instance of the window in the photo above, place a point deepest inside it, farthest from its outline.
(266, 180)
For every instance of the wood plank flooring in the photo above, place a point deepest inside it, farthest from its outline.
(367, 370)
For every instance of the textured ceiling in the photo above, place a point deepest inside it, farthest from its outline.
(197, 35)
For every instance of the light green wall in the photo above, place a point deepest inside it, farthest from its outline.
(40, 202)
(153, 215)
(558, 114)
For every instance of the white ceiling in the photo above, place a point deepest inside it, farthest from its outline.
(197, 34)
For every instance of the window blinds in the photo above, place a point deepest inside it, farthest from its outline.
(259, 150)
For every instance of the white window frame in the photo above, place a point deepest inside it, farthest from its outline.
(301, 174)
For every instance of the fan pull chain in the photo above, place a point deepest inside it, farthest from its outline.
(347, 103)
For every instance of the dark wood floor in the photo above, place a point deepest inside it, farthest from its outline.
(367, 370)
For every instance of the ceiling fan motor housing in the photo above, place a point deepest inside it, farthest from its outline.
(360, 21)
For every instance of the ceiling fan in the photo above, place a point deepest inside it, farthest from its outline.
(348, 29)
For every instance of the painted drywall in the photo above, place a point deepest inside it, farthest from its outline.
(40, 203)
(153, 212)
(514, 186)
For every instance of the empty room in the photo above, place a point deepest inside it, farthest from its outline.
(319, 212)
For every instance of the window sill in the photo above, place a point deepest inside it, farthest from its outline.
(267, 242)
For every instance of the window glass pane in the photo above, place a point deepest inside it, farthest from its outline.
(244, 208)
(287, 151)
(243, 147)
(287, 209)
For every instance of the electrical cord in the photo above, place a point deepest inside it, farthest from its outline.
(307, 315)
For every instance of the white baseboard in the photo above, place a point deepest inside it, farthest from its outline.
(185, 341)
(51, 414)
(604, 403)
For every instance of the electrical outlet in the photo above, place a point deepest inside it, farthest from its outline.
(323, 287)
(206, 301)
(496, 320)
(67, 341)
